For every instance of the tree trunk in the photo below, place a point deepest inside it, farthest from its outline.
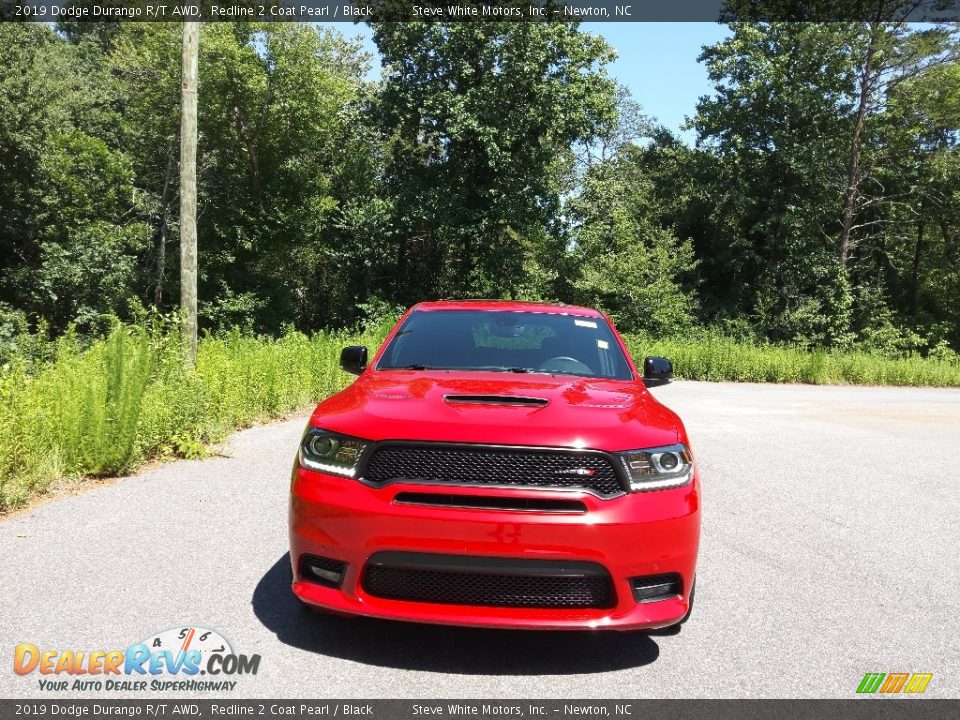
(915, 273)
(853, 166)
(188, 190)
(164, 226)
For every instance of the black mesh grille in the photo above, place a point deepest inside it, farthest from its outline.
(477, 587)
(493, 466)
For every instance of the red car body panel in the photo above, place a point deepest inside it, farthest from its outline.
(631, 535)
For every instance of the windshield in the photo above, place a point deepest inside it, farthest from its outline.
(506, 341)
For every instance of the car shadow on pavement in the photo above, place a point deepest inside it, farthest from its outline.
(436, 648)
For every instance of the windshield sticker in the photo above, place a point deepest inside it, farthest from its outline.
(603, 344)
(585, 323)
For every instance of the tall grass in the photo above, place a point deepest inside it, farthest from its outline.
(104, 409)
(717, 358)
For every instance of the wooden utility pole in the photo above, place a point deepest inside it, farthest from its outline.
(188, 189)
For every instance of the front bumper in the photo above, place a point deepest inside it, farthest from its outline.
(633, 535)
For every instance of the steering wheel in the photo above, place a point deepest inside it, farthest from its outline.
(566, 364)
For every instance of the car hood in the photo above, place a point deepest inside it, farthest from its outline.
(497, 408)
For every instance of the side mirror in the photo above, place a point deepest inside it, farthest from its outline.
(353, 359)
(657, 371)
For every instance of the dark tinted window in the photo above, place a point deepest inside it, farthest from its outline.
(506, 341)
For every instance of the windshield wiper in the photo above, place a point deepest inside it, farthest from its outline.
(501, 368)
(492, 368)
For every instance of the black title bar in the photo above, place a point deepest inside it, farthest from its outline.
(232, 709)
(488, 10)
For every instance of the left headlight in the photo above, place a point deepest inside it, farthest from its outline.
(330, 453)
(658, 468)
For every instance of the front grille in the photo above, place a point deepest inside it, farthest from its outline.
(480, 465)
(454, 580)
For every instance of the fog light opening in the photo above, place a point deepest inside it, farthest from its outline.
(650, 588)
(322, 571)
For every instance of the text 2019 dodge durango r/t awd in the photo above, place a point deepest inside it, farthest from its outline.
(498, 464)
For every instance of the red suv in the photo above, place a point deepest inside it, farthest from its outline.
(498, 464)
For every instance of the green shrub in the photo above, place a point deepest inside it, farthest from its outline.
(707, 356)
(104, 409)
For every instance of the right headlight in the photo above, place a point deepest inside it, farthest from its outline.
(658, 468)
(330, 453)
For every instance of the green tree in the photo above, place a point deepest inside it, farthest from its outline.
(287, 169)
(281, 127)
(914, 220)
(91, 239)
(779, 124)
(629, 264)
(70, 232)
(145, 62)
(812, 173)
(479, 120)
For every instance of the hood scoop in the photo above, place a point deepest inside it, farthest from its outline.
(496, 400)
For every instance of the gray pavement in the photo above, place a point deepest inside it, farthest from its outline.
(830, 549)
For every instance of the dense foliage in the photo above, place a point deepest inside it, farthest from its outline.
(819, 205)
(824, 184)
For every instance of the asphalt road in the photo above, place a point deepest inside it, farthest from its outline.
(830, 549)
